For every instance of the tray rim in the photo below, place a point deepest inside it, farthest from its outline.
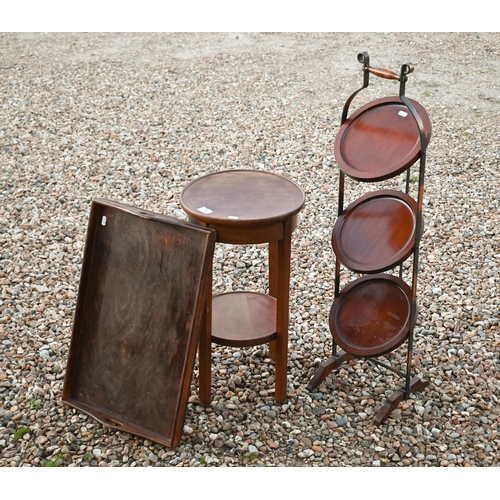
(204, 286)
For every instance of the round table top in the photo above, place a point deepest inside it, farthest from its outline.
(242, 198)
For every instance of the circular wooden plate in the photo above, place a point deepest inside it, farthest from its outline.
(380, 140)
(371, 316)
(376, 232)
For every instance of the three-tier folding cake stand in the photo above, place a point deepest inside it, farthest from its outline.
(376, 313)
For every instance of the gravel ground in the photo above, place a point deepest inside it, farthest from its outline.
(134, 118)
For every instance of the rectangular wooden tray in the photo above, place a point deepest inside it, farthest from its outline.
(138, 315)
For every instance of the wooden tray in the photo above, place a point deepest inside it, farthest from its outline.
(376, 232)
(138, 314)
(380, 140)
(371, 315)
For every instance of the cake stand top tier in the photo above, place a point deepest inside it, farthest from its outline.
(380, 140)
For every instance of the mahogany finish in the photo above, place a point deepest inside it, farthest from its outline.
(248, 207)
(371, 315)
(243, 319)
(376, 232)
(380, 140)
(384, 73)
(244, 205)
(376, 313)
(138, 316)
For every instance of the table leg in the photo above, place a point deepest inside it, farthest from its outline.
(282, 314)
(205, 347)
(273, 285)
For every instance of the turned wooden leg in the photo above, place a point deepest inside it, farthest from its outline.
(273, 285)
(282, 315)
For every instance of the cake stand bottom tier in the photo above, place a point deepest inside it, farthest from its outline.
(371, 316)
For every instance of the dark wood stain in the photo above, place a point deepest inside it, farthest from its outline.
(137, 322)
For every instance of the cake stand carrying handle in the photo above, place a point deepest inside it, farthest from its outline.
(364, 59)
(383, 73)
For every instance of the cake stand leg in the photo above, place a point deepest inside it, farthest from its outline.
(395, 398)
(327, 367)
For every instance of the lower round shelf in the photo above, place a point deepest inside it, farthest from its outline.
(243, 319)
(371, 316)
(376, 232)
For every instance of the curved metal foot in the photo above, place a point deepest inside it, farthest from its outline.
(416, 384)
(327, 367)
